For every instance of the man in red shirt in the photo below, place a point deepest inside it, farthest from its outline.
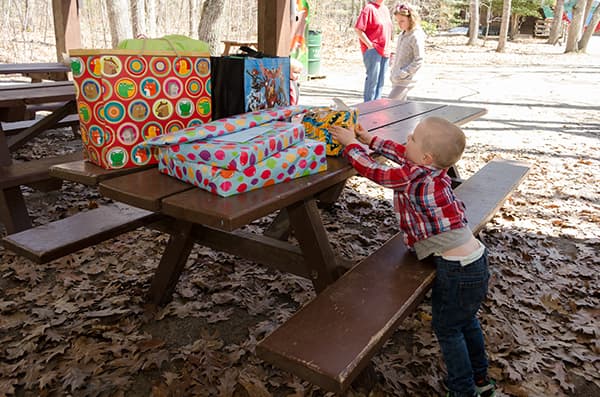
(374, 29)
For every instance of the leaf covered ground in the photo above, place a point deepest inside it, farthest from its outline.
(79, 325)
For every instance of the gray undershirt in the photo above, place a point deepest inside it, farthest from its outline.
(442, 242)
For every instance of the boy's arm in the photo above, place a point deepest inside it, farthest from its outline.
(389, 149)
(390, 177)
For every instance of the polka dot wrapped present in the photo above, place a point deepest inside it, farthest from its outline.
(302, 159)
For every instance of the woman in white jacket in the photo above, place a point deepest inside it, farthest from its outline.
(410, 50)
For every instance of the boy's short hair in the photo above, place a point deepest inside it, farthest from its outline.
(444, 140)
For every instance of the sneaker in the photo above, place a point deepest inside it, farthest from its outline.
(486, 387)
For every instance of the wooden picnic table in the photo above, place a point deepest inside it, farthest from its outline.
(37, 71)
(229, 44)
(197, 216)
(13, 211)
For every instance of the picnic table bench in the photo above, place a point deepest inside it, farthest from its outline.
(37, 71)
(330, 340)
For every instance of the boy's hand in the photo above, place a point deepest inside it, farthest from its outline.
(363, 135)
(342, 135)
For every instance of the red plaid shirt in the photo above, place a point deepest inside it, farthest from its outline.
(423, 196)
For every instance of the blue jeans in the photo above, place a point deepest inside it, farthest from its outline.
(376, 66)
(457, 295)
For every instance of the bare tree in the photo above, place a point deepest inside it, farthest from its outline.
(473, 22)
(151, 17)
(506, 10)
(193, 17)
(138, 17)
(556, 28)
(575, 27)
(589, 31)
(209, 28)
(118, 19)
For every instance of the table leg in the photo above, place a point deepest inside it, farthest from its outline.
(280, 227)
(305, 220)
(171, 263)
(13, 211)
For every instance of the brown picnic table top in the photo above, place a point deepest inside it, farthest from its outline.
(205, 218)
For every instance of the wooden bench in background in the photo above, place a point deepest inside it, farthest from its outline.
(332, 339)
(56, 239)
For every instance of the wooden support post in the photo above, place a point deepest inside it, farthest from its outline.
(274, 27)
(66, 26)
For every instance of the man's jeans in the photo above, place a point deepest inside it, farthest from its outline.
(457, 294)
(376, 66)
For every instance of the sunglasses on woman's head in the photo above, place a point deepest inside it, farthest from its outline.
(402, 9)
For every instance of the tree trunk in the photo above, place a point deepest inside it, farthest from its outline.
(556, 28)
(193, 17)
(514, 26)
(506, 9)
(138, 18)
(473, 22)
(151, 17)
(574, 31)
(589, 31)
(209, 29)
(118, 19)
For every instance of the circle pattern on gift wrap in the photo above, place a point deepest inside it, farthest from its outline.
(99, 112)
(136, 66)
(193, 87)
(150, 87)
(77, 67)
(173, 126)
(183, 66)
(160, 66)
(139, 110)
(111, 65)
(128, 134)
(194, 122)
(203, 106)
(84, 134)
(172, 87)
(85, 113)
(125, 88)
(90, 90)
(116, 157)
(107, 90)
(141, 154)
(151, 130)
(114, 112)
(99, 136)
(208, 87)
(94, 66)
(185, 108)
(162, 109)
(202, 67)
(92, 155)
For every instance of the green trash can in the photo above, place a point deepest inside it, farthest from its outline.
(314, 52)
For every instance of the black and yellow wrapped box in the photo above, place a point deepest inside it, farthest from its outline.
(318, 120)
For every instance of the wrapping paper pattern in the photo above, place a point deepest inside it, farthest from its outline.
(227, 125)
(238, 156)
(317, 121)
(125, 98)
(304, 158)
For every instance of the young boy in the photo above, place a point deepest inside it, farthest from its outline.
(433, 222)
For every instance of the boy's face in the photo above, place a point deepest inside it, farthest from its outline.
(414, 146)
